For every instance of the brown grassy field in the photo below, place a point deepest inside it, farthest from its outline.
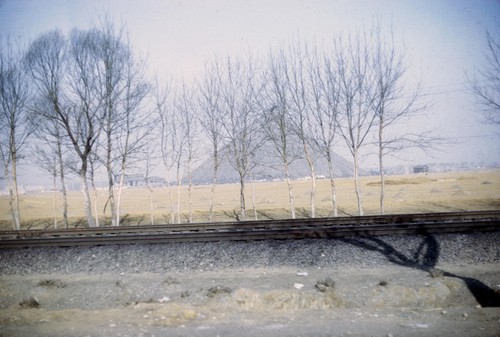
(414, 193)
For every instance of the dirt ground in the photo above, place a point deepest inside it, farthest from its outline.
(382, 301)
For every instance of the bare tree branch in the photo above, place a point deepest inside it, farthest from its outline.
(485, 84)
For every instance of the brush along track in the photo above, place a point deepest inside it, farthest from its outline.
(259, 230)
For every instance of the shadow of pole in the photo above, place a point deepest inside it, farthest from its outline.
(425, 258)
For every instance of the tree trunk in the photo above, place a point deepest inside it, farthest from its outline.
(211, 198)
(332, 185)
(254, 208)
(96, 195)
(54, 199)
(111, 187)
(14, 194)
(119, 199)
(171, 197)
(86, 197)
(290, 191)
(211, 201)
(63, 184)
(120, 189)
(310, 162)
(190, 191)
(96, 204)
(381, 167)
(214, 184)
(313, 193)
(356, 182)
(179, 185)
(151, 205)
(242, 199)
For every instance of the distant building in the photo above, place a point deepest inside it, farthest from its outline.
(156, 181)
(132, 180)
(138, 180)
(421, 169)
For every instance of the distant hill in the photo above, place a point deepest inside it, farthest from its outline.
(270, 168)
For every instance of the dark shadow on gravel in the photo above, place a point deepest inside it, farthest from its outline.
(425, 258)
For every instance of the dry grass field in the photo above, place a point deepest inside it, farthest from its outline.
(414, 193)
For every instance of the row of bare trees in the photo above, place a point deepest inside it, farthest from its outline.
(82, 98)
(87, 105)
(302, 101)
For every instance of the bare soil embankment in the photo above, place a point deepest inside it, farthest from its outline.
(270, 301)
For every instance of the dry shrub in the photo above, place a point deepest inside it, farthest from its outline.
(30, 303)
(325, 285)
(212, 292)
(52, 284)
(171, 280)
(383, 283)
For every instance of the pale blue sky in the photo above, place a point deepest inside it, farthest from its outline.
(443, 40)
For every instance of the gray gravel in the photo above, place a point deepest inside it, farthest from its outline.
(416, 250)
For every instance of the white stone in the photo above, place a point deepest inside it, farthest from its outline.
(164, 299)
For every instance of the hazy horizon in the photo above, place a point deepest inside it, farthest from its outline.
(443, 40)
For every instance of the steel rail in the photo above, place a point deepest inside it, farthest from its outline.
(314, 222)
(393, 224)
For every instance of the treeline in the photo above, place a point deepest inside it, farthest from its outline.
(81, 103)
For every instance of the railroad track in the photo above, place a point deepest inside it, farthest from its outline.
(395, 224)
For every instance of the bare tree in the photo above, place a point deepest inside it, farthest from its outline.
(135, 131)
(82, 118)
(276, 121)
(66, 74)
(485, 85)
(186, 107)
(45, 63)
(112, 58)
(355, 118)
(239, 94)
(121, 82)
(178, 144)
(174, 117)
(95, 87)
(300, 105)
(164, 108)
(392, 103)
(324, 96)
(110, 55)
(14, 126)
(210, 119)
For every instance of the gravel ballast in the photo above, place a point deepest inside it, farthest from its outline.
(419, 251)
